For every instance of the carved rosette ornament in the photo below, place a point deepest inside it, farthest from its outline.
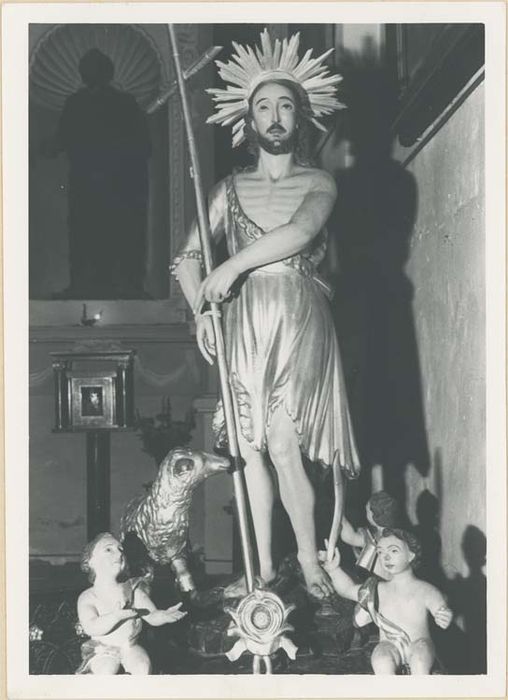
(260, 621)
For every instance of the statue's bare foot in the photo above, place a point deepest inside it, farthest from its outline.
(238, 588)
(317, 580)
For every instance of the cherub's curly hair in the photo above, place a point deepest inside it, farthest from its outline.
(88, 553)
(385, 509)
(411, 540)
(303, 116)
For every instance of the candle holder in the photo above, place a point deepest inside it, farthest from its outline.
(87, 320)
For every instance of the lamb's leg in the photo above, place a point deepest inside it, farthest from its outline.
(184, 578)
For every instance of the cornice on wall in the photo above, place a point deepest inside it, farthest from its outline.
(113, 312)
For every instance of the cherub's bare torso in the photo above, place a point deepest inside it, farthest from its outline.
(409, 611)
(116, 596)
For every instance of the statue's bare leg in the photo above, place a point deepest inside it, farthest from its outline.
(385, 659)
(297, 496)
(421, 657)
(104, 666)
(136, 661)
(261, 491)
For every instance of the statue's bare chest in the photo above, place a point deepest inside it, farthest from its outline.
(270, 204)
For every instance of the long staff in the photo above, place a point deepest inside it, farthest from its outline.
(205, 239)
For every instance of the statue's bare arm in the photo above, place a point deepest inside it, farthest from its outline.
(355, 538)
(152, 615)
(95, 624)
(188, 270)
(277, 244)
(342, 583)
(437, 606)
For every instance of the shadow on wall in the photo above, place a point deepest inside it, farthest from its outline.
(428, 528)
(370, 231)
(462, 648)
(104, 134)
(468, 598)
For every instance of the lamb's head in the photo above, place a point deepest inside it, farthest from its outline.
(183, 469)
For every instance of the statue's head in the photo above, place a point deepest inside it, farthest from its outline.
(383, 510)
(277, 119)
(104, 553)
(251, 69)
(398, 549)
(96, 69)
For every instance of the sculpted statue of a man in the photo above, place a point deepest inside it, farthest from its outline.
(288, 389)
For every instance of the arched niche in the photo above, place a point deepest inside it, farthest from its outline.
(144, 67)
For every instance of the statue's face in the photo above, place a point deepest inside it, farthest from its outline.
(274, 117)
(394, 554)
(107, 556)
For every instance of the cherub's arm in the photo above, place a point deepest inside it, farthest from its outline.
(438, 607)
(355, 538)
(151, 614)
(277, 244)
(95, 624)
(342, 583)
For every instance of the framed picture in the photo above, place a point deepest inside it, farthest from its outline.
(93, 400)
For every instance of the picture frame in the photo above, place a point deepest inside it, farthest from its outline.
(93, 400)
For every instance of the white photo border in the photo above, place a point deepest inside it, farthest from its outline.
(16, 18)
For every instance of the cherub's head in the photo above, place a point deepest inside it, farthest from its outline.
(382, 510)
(103, 554)
(398, 549)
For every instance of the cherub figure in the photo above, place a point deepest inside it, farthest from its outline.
(399, 606)
(381, 511)
(111, 612)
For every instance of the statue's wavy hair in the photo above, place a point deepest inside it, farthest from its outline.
(385, 509)
(302, 152)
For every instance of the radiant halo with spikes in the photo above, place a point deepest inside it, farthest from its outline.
(249, 67)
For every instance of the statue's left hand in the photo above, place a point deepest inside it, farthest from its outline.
(173, 614)
(217, 286)
(443, 617)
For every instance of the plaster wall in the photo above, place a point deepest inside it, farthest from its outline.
(447, 269)
(58, 461)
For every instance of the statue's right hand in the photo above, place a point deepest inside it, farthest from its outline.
(205, 337)
(329, 564)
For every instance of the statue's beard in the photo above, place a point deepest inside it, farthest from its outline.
(276, 148)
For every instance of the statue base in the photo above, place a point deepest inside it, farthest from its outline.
(324, 633)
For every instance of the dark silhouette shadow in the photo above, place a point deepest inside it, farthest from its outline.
(428, 528)
(371, 230)
(105, 136)
(468, 597)
(427, 531)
